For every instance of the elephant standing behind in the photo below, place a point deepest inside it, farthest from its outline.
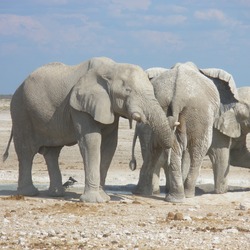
(195, 105)
(239, 153)
(60, 105)
(234, 119)
(225, 150)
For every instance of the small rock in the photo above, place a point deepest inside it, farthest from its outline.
(21, 241)
(231, 230)
(187, 218)
(170, 216)
(7, 214)
(6, 221)
(178, 216)
(245, 205)
(192, 209)
(41, 223)
(51, 233)
(22, 233)
(216, 240)
(106, 235)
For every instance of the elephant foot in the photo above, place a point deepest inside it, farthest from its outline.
(221, 189)
(142, 190)
(174, 198)
(29, 190)
(56, 191)
(156, 191)
(189, 193)
(94, 196)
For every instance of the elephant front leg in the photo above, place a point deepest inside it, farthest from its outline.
(220, 163)
(219, 154)
(108, 147)
(149, 174)
(161, 163)
(90, 147)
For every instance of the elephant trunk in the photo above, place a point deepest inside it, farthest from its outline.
(240, 157)
(161, 126)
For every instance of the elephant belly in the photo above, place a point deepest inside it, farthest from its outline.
(55, 133)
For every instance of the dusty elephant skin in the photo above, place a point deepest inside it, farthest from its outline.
(233, 120)
(60, 105)
(235, 151)
(190, 98)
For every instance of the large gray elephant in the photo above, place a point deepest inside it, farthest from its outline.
(195, 105)
(60, 105)
(226, 126)
(225, 150)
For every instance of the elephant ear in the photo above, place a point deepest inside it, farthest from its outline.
(226, 123)
(91, 95)
(225, 78)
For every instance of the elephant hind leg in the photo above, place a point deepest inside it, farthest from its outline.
(190, 182)
(219, 155)
(25, 183)
(197, 155)
(51, 155)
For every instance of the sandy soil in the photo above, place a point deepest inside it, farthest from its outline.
(208, 221)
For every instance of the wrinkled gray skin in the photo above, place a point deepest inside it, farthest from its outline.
(225, 150)
(195, 104)
(60, 105)
(235, 112)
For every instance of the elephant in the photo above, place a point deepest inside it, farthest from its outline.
(60, 105)
(226, 150)
(226, 125)
(234, 152)
(195, 105)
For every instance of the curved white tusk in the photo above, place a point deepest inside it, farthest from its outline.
(177, 123)
(136, 116)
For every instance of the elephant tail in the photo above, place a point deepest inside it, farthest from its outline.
(132, 163)
(6, 153)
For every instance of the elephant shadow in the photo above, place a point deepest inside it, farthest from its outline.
(202, 189)
(116, 192)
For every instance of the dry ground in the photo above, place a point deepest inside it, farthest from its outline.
(208, 221)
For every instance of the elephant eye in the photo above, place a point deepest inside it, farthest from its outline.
(128, 90)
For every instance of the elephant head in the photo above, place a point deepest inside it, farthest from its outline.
(109, 89)
(233, 112)
(155, 71)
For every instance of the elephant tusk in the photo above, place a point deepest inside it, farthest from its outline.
(136, 116)
(176, 124)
